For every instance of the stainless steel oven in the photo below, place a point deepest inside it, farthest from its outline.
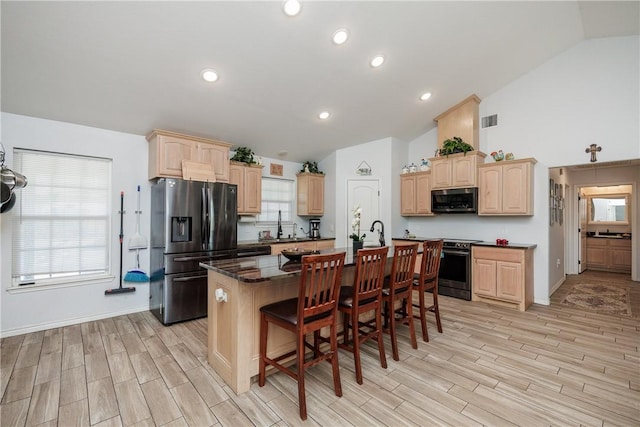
(454, 279)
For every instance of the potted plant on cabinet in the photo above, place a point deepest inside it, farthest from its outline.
(311, 167)
(244, 155)
(454, 145)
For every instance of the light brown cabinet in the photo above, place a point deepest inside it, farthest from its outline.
(461, 120)
(456, 170)
(506, 188)
(310, 192)
(248, 178)
(167, 150)
(609, 254)
(502, 276)
(415, 194)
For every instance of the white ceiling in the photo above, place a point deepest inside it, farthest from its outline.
(135, 66)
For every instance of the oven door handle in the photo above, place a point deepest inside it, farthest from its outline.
(461, 253)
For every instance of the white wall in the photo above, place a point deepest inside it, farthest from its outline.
(588, 94)
(379, 155)
(39, 309)
(557, 239)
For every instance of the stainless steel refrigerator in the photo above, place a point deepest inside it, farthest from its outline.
(191, 222)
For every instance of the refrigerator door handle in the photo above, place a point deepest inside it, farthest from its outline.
(204, 220)
(188, 279)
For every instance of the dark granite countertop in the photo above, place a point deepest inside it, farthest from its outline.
(477, 243)
(261, 268)
(248, 243)
(509, 246)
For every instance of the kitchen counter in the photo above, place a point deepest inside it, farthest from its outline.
(479, 243)
(268, 267)
(237, 288)
(245, 243)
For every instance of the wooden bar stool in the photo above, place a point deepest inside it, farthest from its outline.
(398, 287)
(364, 295)
(427, 280)
(313, 309)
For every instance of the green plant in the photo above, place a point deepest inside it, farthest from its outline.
(310, 166)
(355, 225)
(454, 145)
(244, 155)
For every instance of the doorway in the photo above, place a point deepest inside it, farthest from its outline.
(597, 175)
(366, 194)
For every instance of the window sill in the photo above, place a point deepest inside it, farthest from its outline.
(60, 284)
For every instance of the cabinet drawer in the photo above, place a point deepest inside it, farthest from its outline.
(498, 254)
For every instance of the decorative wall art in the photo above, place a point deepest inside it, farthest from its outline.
(552, 201)
(556, 203)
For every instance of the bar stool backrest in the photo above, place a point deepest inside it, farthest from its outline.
(370, 265)
(402, 269)
(430, 266)
(319, 289)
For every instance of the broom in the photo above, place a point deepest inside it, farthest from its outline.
(137, 242)
(120, 289)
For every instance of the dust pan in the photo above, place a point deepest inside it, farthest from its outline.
(137, 242)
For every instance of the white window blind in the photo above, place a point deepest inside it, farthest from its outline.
(277, 195)
(61, 224)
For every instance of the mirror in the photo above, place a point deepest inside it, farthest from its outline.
(610, 209)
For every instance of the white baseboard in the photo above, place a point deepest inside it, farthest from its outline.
(557, 285)
(67, 322)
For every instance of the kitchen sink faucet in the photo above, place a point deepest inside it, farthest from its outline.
(380, 232)
(279, 232)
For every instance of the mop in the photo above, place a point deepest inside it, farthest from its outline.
(137, 242)
(120, 289)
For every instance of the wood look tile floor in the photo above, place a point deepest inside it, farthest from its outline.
(492, 366)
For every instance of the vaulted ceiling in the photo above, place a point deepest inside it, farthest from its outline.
(136, 66)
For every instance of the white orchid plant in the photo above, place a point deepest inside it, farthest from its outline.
(355, 225)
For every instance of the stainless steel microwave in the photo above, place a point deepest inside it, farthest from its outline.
(455, 200)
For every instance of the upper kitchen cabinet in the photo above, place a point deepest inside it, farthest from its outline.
(415, 194)
(310, 194)
(248, 178)
(460, 120)
(167, 150)
(506, 188)
(456, 170)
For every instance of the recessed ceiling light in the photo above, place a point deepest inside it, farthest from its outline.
(425, 96)
(291, 7)
(324, 115)
(377, 61)
(340, 36)
(209, 75)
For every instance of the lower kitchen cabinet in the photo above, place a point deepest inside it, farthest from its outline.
(609, 254)
(502, 276)
(415, 194)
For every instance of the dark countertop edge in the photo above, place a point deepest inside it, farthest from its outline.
(269, 262)
(510, 245)
(248, 243)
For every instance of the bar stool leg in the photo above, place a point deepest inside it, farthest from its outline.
(436, 309)
(383, 358)
(423, 315)
(302, 398)
(264, 327)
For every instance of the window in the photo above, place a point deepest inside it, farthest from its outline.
(277, 196)
(61, 224)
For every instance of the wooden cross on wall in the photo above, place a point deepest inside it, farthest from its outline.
(593, 149)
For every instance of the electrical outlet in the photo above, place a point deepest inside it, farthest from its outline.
(558, 263)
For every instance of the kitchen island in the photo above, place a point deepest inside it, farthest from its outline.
(237, 288)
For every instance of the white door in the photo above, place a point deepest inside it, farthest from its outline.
(366, 194)
(582, 233)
